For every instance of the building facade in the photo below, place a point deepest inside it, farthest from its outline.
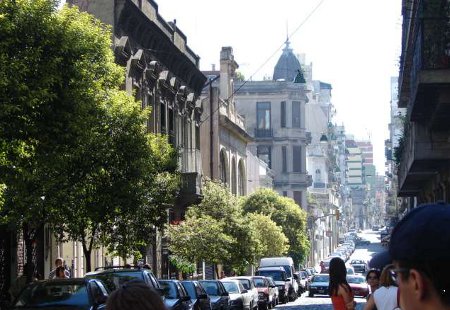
(163, 73)
(274, 111)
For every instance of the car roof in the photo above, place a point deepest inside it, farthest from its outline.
(64, 281)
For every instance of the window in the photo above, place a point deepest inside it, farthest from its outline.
(264, 153)
(284, 193)
(284, 158)
(241, 178)
(263, 115)
(296, 114)
(233, 177)
(162, 115)
(197, 136)
(223, 168)
(172, 138)
(297, 159)
(298, 197)
(283, 114)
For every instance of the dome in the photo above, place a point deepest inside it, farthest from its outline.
(288, 65)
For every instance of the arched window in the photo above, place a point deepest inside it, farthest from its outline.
(241, 178)
(233, 177)
(223, 167)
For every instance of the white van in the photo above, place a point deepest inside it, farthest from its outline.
(288, 264)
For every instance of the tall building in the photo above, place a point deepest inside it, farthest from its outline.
(274, 111)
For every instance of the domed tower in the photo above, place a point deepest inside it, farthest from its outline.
(288, 66)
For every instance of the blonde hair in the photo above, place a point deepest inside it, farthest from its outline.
(386, 278)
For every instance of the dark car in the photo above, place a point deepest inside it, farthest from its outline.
(113, 277)
(176, 297)
(75, 293)
(219, 296)
(200, 300)
(319, 284)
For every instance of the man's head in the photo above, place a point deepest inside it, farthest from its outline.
(420, 249)
(59, 261)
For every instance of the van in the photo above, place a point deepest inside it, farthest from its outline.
(288, 265)
(278, 276)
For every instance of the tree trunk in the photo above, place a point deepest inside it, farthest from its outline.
(87, 254)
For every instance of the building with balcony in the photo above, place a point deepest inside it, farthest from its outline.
(163, 73)
(223, 131)
(274, 111)
(424, 90)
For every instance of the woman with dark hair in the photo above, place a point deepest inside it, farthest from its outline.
(136, 295)
(340, 291)
(373, 280)
(386, 296)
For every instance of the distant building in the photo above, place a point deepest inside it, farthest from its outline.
(275, 117)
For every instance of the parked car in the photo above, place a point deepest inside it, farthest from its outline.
(76, 293)
(303, 281)
(288, 264)
(237, 293)
(217, 293)
(200, 300)
(252, 291)
(266, 292)
(276, 297)
(359, 265)
(114, 276)
(175, 296)
(319, 284)
(359, 285)
(278, 274)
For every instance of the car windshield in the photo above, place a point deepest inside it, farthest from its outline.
(54, 294)
(211, 288)
(321, 278)
(259, 282)
(231, 287)
(357, 262)
(276, 275)
(245, 283)
(350, 271)
(190, 288)
(355, 280)
(113, 280)
(169, 289)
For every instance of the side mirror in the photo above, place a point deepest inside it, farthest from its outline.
(225, 294)
(202, 296)
(244, 291)
(288, 279)
(295, 277)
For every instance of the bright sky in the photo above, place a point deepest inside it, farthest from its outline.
(353, 44)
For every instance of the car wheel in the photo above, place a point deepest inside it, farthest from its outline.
(311, 294)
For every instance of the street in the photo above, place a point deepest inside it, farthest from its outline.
(324, 302)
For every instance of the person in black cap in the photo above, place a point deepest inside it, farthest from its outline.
(420, 249)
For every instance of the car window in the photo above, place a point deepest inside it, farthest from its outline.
(181, 290)
(70, 294)
(321, 278)
(113, 280)
(245, 283)
(259, 282)
(190, 289)
(211, 288)
(355, 280)
(169, 289)
(231, 287)
(277, 275)
(152, 280)
(96, 292)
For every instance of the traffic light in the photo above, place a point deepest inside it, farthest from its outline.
(337, 214)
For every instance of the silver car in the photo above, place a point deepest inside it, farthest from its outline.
(251, 300)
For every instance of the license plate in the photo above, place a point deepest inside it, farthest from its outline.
(321, 291)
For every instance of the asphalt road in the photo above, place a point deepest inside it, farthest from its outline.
(324, 302)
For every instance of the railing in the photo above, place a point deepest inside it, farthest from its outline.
(263, 133)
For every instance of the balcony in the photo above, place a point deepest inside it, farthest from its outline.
(191, 172)
(263, 133)
(424, 82)
(424, 155)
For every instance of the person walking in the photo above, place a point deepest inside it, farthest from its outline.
(373, 280)
(58, 263)
(340, 291)
(420, 249)
(386, 296)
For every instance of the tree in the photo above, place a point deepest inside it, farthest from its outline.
(216, 231)
(271, 238)
(286, 214)
(74, 151)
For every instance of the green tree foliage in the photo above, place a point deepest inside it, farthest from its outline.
(216, 231)
(271, 238)
(74, 152)
(287, 215)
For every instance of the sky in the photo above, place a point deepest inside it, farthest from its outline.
(352, 44)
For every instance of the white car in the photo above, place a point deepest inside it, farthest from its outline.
(251, 297)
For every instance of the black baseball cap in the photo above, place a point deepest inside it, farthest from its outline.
(422, 235)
